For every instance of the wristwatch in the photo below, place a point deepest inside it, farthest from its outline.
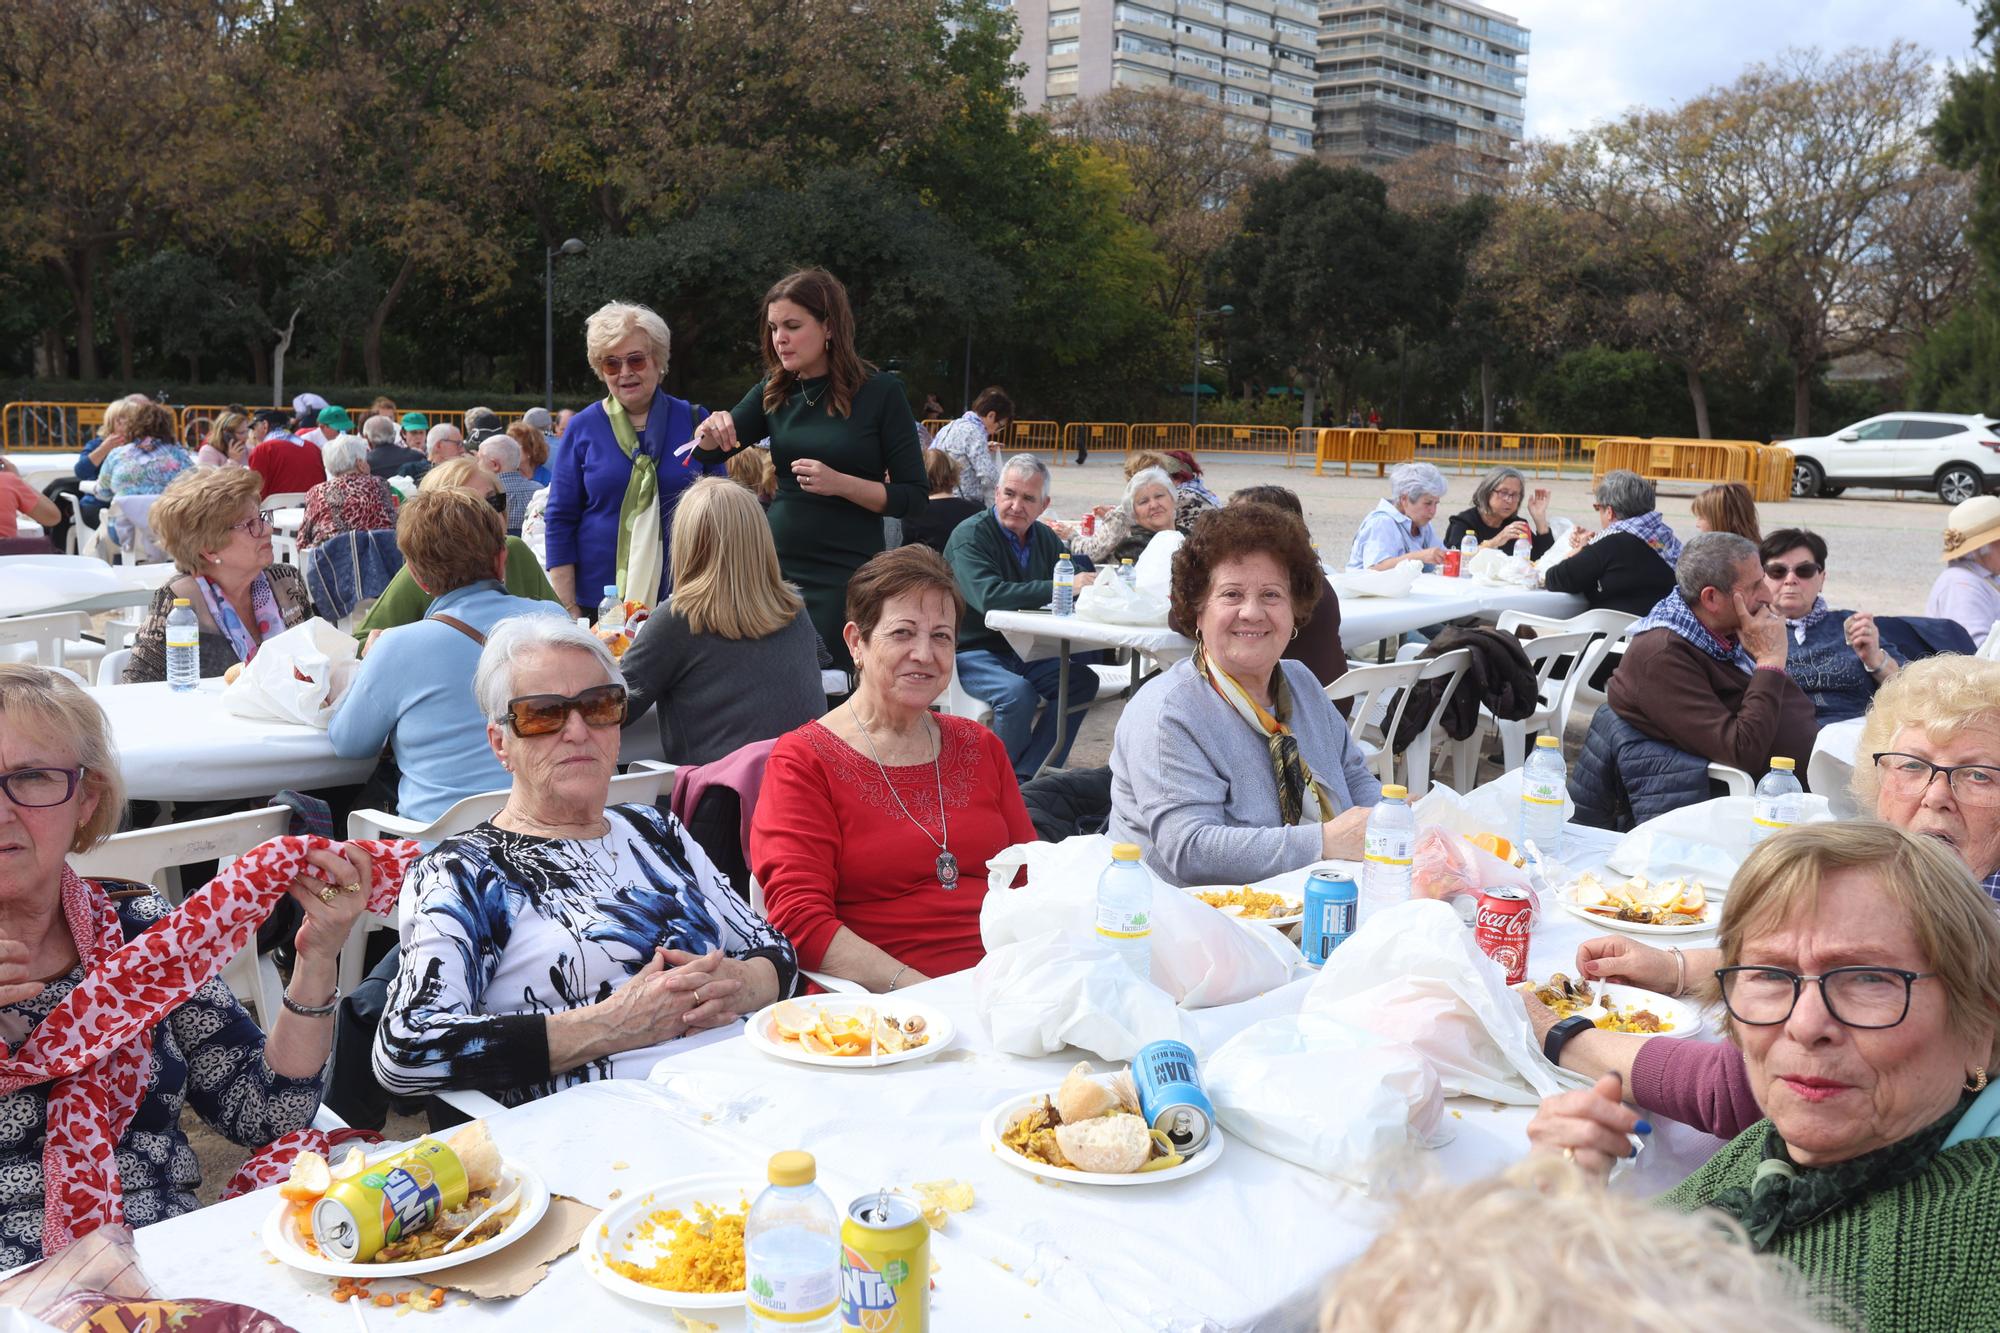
(1559, 1035)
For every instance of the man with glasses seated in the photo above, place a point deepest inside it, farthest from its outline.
(210, 524)
(564, 941)
(1930, 753)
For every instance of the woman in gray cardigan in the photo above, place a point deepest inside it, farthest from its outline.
(1234, 765)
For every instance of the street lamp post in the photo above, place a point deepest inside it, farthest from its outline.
(572, 246)
(1194, 387)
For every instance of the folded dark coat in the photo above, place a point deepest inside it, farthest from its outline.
(1500, 677)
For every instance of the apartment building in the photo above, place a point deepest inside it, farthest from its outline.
(1399, 76)
(1258, 59)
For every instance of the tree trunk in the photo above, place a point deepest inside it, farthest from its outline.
(122, 324)
(1311, 416)
(194, 368)
(1801, 397)
(78, 269)
(260, 361)
(1486, 393)
(371, 342)
(1700, 397)
(278, 357)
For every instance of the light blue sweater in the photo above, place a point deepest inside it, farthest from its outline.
(1191, 782)
(415, 687)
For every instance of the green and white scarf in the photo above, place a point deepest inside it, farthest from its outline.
(641, 563)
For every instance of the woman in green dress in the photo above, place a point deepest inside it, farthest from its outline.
(838, 427)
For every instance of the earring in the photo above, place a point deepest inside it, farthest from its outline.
(1977, 1082)
(1295, 632)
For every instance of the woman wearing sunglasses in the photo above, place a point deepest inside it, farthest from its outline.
(615, 482)
(843, 441)
(564, 941)
(210, 524)
(1837, 657)
(1860, 974)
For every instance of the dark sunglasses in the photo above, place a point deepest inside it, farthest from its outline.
(1805, 569)
(635, 363)
(540, 714)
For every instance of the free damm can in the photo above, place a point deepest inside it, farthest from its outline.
(1332, 903)
(1170, 1094)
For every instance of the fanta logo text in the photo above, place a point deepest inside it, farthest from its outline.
(864, 1289)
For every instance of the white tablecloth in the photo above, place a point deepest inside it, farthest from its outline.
(1435, 598)
(1035, 635)
(38, 470)
(1831, 767)
(188, 747)
(42, 584)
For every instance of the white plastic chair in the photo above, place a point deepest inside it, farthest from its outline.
(133, 515)
(1452, 667)
(1552, 716)
(840, 985)
(1734, 780)
(1613, 626)
(1380, 694)
(111, 671)
(50, 639)
(956, 702)
(151, 856)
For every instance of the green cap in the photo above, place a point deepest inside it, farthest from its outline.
(792, 1168)
(334, 417)
(416, 421)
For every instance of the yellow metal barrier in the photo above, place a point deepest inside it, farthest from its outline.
(1033, 437)
(28, 426)
(1091, 436)
(1347, 446)
(1766, 469)
(1160, 435)
(1222, 439)
(932, 425)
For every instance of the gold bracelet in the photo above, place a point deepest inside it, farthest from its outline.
(1680, 971)
(898, 977)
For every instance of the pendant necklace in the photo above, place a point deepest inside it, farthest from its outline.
(947, 864)
(810, 400)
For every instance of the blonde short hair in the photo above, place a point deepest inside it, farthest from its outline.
(57, 708)
(115, 412)
(614, 323)
(448, 537)
(463, 472)
(725, 565)
(1540, 1247)
(751, 469)
(1951, 916)
(1943, 695)
(197, 510)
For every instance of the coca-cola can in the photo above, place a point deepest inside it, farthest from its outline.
(1451, 563)
(1501, 927)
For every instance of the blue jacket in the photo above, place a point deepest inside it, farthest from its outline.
(415, 687)
(587, 487)
(349, 568)
(1913, 638)
(1624, 777)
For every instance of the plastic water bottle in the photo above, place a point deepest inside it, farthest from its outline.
(1544, 787)
(791, 1252)
(1468, 546)
(1125, 909)
(1390, 841)
(1128, 573)
(1777, 802)
(1065, 586)
(611, 611)
(183, 646)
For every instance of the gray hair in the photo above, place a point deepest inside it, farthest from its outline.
(518, 637)
(538, 417)
(379, 429)
(1482, 494)
(444, 430)
(502, 449)
(1626, 494)
(1029, 465)
(616, 321)
(1144, 477)
(343, 453)
(1711, 560)
(1413, 481)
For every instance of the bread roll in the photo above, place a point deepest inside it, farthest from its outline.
(1082, 1097)
(1112, 1145)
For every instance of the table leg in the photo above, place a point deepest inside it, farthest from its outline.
(1061, 704)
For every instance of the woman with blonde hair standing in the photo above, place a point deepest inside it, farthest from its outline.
(838, 427)
(731, 622)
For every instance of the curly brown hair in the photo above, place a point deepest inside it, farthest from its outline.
(1234, 531)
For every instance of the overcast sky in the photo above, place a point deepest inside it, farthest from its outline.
(1590, 59)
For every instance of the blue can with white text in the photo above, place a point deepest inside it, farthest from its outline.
(1332, 902)
(1170, 1094)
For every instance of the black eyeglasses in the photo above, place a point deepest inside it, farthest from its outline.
(37, 788)
(541, 714)
(1907, 775)
(1860, 997)
(1805, 569)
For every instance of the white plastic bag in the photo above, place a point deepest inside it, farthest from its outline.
(1039, 995)
(1154, 570)
(1201, 957)
(296, 676)
(1395, 581)
(1414, 974)
(1108, 601)
(1329, 1096)
(1708, 841)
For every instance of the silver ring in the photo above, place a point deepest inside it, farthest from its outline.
(697, 997)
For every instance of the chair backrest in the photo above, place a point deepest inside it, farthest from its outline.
(956, 702)
(134, 525)
(47, 632)
(111, 670)
(1990, 649)
(1604, 620)
(148, 854)
(1381, 694)
(1548, 649)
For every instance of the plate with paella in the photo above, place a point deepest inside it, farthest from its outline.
(1615, 1008)
(850, 1031)
(678, 1244)
(1090, 1131)
(1259, 906)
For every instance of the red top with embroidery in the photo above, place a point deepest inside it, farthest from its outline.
(831, 848)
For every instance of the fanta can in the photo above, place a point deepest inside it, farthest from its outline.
(885, 1266)
(392, 1199)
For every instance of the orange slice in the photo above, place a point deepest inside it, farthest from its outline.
(310, 1178)
(791, 1020)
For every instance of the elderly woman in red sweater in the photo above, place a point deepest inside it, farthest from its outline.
(875, 823)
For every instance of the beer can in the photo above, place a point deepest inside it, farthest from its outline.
(1452, 560)
(885, 1266)
(1170, 1094)
(1332, 902)
(1501, 928)
(393, 1198)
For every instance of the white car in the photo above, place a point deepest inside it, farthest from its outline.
(1956, 456)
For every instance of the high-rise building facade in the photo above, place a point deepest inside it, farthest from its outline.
(1256, 59)
(1399, 76)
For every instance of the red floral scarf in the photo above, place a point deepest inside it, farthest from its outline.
(95, 1047)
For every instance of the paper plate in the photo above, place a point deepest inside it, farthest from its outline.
(281, 1235)
(1006, 1112)
(1685, 1017)
(936, 1022)
(1711, 919)
(1291, 918)
(611, 1237)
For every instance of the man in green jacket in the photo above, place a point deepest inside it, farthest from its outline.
(1006, 561)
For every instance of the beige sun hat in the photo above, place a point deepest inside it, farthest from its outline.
(1972, 525)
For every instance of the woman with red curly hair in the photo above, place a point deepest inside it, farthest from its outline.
(1234, 765)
